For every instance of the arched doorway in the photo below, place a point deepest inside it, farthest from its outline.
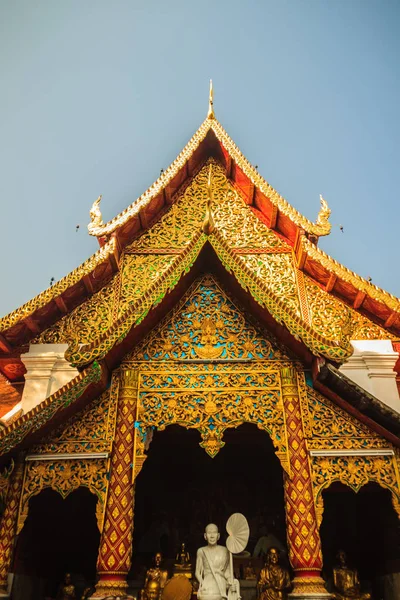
(58, 536)
(367, 527)
(180, 489)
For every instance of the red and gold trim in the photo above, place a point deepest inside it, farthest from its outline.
(115, 552)
(8, 524)
(302, 530)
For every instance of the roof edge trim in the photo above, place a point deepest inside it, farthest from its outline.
(99, 229)
(59, 287)
(33, 420)
(333, 266)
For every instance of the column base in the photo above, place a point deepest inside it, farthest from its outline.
(111, 588)
(310, 596)
(309, 588)
(109, 595)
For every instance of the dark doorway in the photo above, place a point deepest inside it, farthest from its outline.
(59, 536)
(181, 489)
(366, 526)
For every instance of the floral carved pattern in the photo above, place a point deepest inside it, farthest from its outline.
(238, 224)
(5, 479)
(327, 426)
(85, 322)
(91, 430)
(331, 318)
(138, 272)
(209, 326)
(45, 411)
(64, 477)
(215, 405)
(355, 472)
(278, 273)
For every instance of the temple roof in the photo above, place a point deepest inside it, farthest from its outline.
(285, 233)
(211, 139)
(179, 332)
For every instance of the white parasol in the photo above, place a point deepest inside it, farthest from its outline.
(238, 531)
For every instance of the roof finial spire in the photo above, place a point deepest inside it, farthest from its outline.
(210, 114)
(208, 223)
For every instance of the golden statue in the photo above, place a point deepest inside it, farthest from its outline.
(249, 572)
(346, 581)
(182, 562)
(155, 580)
(274, 581)
(67, 589)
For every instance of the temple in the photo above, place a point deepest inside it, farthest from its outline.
(209, 358)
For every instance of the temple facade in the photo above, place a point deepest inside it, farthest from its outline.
(210, 358)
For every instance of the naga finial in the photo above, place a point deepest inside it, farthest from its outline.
(208, 223)
(210, 114)
(325, 211)
(95, 213)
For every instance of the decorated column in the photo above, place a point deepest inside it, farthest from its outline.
(302, 529)
(115, 552)
(8, 525)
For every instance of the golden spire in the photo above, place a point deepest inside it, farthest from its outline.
(208, 223)
(210, 114)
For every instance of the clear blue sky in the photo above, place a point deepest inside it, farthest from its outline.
(97, 96)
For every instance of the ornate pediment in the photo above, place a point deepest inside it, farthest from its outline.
(207, 325)
(90, 430)
(328, 426)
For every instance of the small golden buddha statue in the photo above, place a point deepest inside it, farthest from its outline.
(249, 572)
(67, 589)
(274, 581)
(155, 580)
(182, 561)
(346, 581)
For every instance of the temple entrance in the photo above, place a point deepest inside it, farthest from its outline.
(366, 527)
(181, 489)
(59, 536)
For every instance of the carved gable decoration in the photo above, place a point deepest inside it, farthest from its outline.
(85, 323)
(332, 318)
(330, 427)
(237, 222)
(207, 325)
(91, 430)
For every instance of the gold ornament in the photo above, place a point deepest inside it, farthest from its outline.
(327, 426)
(332, 266)
(337, 350)
(321, 227)
(100, 257)
(95, 213)
(46, 410)
(64, 477)
(355, 472)
(5, 481)
(85, 323)
(91, 430)
(331, 318)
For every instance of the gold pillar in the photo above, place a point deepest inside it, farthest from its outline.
(115, 552)
(8, 524)
(301, 520)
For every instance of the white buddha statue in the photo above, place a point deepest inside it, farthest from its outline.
(212, 567)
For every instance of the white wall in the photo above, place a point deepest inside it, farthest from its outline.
(47, 371)
(371, 367)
